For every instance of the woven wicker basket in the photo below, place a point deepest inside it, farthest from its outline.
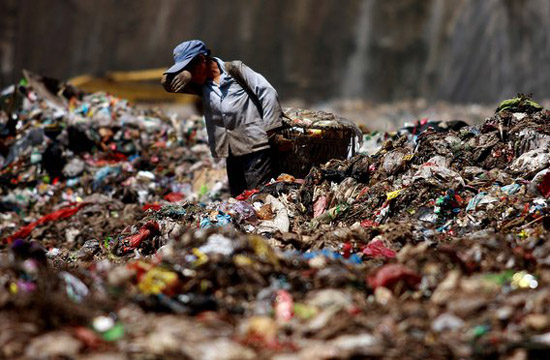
(316, 138)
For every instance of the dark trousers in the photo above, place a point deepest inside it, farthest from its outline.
(250, 171)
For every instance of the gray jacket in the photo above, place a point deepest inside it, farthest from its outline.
(233, 121)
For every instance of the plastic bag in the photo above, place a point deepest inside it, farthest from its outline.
(376, 248)
(56, 215)
(148, 230)
(243, 211)
(390, 274)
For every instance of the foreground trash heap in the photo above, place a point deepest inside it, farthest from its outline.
(119, 240)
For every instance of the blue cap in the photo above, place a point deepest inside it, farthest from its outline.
(185, 52)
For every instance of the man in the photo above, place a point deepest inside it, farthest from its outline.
(241, 110)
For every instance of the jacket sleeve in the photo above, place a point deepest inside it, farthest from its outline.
(267, 95)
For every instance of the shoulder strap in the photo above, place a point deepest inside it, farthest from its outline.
(234, 69)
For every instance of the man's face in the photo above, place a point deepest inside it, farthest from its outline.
(199, 70)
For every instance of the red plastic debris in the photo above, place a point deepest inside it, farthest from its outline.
(56, 215)
(363, 192)
(154, 207)
(159, 145)
(284, 306)
(88, 337)
(174, 197)
(376, 248)
(390, 274)
(429, 164)
(110, 158)
(148, 230)
(525, 209)
(367, 223)
(346, 250)
(544, 186)
(246, 194)
(354, 310)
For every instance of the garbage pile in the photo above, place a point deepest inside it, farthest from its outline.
(434, 245)
(93, 158)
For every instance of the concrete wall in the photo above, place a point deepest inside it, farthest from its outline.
(459, 50)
